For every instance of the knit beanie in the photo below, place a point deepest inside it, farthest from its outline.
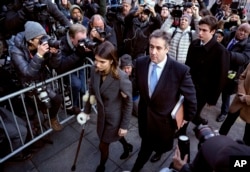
(126, 60)
(187, 17)
(75, 7)
(33, 29)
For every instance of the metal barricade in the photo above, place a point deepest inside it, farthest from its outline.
(43, 129)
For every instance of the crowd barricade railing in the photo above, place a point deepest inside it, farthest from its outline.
(42, 123)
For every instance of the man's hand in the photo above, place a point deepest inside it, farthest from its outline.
(43, 48)
(95, 34)
(177, 161)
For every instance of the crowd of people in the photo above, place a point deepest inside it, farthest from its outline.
(145, 57)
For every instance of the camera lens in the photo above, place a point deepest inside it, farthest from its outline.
(184, 146)
(203, 132)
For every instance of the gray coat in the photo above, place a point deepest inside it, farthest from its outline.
(114, 111)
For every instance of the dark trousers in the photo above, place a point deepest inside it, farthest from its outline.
(229, 121)
(201, 102)
(225, 98)
(143, 155)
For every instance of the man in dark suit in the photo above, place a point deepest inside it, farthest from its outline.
(156, 127)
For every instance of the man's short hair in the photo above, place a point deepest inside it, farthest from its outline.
(211, 21)
(159, 33)
(75, 28)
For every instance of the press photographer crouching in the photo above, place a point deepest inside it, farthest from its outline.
(34, 54)
(217, 153)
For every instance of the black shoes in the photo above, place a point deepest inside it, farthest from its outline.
(73, 111)
(128, 149)
(156, 157)
(221, 117)
(100, 168)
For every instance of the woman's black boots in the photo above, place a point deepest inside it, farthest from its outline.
(127, 149)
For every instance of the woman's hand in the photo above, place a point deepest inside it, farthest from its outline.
(122, 132)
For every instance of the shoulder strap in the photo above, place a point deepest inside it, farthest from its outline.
(189, 34)
(174, 33)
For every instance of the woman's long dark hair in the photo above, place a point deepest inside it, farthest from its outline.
(106, 50)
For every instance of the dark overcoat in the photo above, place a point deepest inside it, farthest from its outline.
(209, 65)
(114, 111)
(154, 113)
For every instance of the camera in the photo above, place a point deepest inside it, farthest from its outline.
(101, 32)
(61, 30)
(43, 96)
(88, 43)
(38, 7)
(51, 42)
(146, 8)
(203, 132)
(112, 11)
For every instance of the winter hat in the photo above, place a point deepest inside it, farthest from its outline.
(74, 7)
(220, 31)
(187, 16)
(127, 1)
(126, 60)
(33, 29)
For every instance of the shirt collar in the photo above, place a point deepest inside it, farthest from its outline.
(161, 64)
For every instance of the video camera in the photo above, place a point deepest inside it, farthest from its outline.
(112, 11)
(51, 42)
(88, 43)
(177, 9)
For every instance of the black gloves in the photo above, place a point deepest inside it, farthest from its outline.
(28, 6)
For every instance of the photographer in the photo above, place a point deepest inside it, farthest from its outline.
(99, 31)
(139, 25)
(115, 19)
(213, 156)
(215, 153)
(73, 56)
(20, 11)
(33, 58)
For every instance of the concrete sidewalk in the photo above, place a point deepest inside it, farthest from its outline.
(59, 156)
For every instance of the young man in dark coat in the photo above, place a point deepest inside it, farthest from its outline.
(156, 126)
(209, 63)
